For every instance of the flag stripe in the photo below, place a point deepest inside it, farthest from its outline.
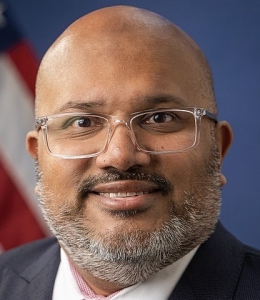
(16, 121)
(14, 211)
(25, 62)
(20, 218)
(17, 103)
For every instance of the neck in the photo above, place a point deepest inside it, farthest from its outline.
(99, 286)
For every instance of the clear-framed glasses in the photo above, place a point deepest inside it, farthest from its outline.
(84, 135)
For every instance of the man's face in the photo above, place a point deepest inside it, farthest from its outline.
(126, 208)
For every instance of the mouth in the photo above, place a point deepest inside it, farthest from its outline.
(125, 195)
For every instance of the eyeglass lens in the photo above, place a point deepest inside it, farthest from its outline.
(160, 131)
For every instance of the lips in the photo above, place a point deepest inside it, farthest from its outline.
(122, 194)
(125, 195)
(125, 188)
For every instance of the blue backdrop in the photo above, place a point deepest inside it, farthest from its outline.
(229, 34)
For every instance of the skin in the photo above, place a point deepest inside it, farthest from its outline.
(115, 61)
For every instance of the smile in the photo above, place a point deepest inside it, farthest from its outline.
(122, 194)
(125, 195)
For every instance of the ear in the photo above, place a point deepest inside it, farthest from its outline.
(32, 143)
(224, 138)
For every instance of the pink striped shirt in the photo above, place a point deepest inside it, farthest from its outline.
(86, 291)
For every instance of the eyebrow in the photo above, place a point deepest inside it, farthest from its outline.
(145, 100)
(81, 105)
(164, 98)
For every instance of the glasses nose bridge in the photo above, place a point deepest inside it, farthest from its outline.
(121, 121)
(115, 121)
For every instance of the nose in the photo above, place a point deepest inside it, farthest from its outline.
(121, 152)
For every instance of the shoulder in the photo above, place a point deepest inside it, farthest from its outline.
(251, 253)
(236, 265)
(251, 261)
(248, 271)
(227, 249)
(251, 258)
(222, 268)
(230, 243)
(29, 272)
(20, 257)
(248, 285)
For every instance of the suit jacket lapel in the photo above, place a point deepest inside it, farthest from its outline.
(37, 281)
(213, 273)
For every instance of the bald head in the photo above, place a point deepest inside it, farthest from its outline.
(119, 35)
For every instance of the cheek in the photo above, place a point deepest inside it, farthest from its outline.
(62, 177)
(183, 170)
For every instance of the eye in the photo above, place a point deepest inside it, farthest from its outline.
(85, 122)
(82, 122)
(160, 117)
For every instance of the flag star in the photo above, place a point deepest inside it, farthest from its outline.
(2, 17)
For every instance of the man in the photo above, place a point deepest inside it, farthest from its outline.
(128, 155)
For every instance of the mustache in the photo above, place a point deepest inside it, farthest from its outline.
(90, 182)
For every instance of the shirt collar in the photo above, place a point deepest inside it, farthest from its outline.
(158, 286)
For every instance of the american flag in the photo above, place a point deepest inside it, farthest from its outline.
(20, 217)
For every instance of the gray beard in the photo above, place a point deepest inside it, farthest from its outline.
(125, 257)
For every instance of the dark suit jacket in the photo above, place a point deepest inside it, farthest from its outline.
(223, 268)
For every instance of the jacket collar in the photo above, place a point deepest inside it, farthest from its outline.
(37, 280)
(214, 271)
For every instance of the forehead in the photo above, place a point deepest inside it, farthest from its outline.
(122, 72)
